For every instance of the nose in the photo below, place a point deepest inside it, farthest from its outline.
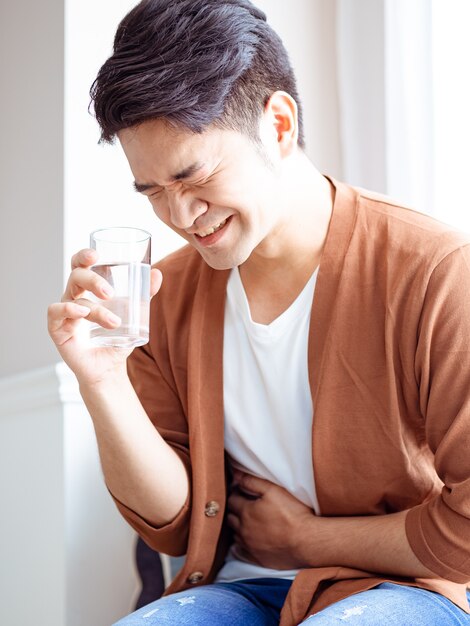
(184, 208)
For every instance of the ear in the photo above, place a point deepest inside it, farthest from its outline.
(281, 115)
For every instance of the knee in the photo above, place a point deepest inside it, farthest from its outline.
(180, 608)
(145, 616)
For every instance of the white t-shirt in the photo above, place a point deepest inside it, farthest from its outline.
(268, 404)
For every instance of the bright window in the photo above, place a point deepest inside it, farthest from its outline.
(451, 96)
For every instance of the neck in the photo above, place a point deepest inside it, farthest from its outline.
(281, 265)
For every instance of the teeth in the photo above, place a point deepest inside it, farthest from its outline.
(212, 230)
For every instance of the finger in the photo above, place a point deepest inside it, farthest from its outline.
(236, 504)
(83, 279)
(247, 495)
(245, 492)
(156, 279)
(58, 312)
(61, 312)
(251, 485)
(84, 258)
(63, 320)
(233, 522)
(100, 314)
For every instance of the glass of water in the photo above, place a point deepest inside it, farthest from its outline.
(124, 261)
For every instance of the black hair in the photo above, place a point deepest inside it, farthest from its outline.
(194, 63)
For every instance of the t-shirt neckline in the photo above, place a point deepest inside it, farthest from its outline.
(299, 307)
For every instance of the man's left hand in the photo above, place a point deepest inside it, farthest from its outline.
(268, 523)
(273, 529)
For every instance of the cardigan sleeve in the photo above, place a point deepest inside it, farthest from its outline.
(439, 529)
(163, 407)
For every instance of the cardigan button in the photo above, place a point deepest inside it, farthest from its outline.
(212, 508)
(195, 578)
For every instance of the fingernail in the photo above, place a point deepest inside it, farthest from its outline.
(83, 309)
(107, 290)
(113, 319)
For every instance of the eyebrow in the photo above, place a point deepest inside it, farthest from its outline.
(186, 173)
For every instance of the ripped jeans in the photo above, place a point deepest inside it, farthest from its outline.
(258, 602)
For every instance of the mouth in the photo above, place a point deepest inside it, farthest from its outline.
(209, 236)
(202, 234)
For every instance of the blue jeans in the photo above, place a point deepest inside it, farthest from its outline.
(258, 602)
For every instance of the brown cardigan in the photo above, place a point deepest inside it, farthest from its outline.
(390, 379)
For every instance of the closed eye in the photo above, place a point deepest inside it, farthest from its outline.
(201, 181)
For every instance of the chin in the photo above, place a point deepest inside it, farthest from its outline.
(224, 262)
(220, 265)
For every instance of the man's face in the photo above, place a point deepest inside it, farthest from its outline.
(216, 189)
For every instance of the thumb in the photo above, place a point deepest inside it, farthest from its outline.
(156, 278)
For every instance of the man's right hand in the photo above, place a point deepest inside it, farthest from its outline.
(141, 470)
(67, 320)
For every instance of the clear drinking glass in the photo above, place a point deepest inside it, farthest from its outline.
(124, 261)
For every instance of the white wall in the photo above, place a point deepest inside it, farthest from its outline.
(66, 554)
(360, 43)
(32, 524)
(101, 578)
(308, 29)
(31, 181)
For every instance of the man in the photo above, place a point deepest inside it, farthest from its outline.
(360, 513)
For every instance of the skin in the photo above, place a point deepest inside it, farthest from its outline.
(277, 207)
